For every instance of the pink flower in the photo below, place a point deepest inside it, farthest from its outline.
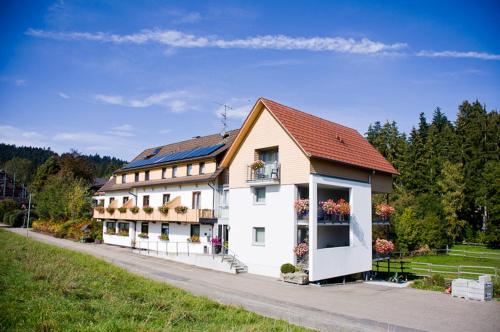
(302, 205)
(301, 249)
(384, 210)
(383, 246)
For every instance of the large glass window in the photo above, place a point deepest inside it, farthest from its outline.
(164, 228)
(123, 228)
(259, 236)
(259, 195)
(110, 227)
(145, 227)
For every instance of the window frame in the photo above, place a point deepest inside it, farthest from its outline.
(189, 169)
(126, 227)
(124, 178)
(201, 168)
(163, 224)
(146, 175)
(174, 171)
(145, 225)
(194, 226)
(125, 200)
(168, 198)
(164, 173)
(136, 177)
(193, 195)
(112, 223)
(254, 236)
(144, 199)
(255, 196)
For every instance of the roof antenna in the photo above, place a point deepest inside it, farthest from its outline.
(223, 116)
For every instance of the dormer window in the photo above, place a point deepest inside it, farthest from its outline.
(146, 176)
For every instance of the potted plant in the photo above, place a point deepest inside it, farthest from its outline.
(181, 209)
(163, 237)
(302, 207)
(194, 238)
(344, 209)
(258, 164)
(110, 231)
(329, 207)
(134, 209)
(217, 244)
(148, 209)
(143, 235)
(99, 208)
(383, 247)
(163, 209)
(122, 232)
(290, 273)
(110, 210)
(98, 239)
(384, 211)
(122, 209)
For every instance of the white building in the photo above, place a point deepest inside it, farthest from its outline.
(243, 188)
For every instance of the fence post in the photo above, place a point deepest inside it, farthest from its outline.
(430, 269)
(458, 269)
(447, 250)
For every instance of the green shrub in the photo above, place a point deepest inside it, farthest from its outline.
(436, 282)
(287, 268)
(7, 205)
(14, 218)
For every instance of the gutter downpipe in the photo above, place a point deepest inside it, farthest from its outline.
(135, 221)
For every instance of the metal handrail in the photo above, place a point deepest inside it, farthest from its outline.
(258, 175)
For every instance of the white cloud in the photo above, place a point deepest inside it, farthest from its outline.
(124, 130)
(178, 39)
(173, 100)
(165, 131)
(20, 82)
(63, 95)
(240, 107)
(17, 136)
(82, 137)
(456, 54)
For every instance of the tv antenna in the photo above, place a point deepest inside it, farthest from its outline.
(223, 115)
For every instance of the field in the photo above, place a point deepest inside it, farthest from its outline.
(45, 288)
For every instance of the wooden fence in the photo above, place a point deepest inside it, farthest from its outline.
(453, 271)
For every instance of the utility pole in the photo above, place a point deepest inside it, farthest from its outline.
(28, 220)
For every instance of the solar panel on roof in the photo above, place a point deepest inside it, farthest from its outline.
(185, 154)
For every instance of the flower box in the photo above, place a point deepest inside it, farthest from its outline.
(110, 210)
(148, 209)
(134, 209)
(163, 209)
(143, 235)
(122, 209)
(99, 208)
(181, 209)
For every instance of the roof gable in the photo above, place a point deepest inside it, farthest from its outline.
(318, 138)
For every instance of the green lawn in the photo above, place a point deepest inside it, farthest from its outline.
(45, 288)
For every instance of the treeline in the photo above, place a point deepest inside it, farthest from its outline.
(24, 161)
(448, 190)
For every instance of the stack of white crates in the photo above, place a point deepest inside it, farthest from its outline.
(481, 289)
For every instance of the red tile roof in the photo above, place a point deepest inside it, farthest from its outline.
(321, 138)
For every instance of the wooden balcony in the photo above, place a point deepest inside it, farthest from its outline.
(191, 215)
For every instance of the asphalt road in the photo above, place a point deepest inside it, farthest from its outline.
(344, 307)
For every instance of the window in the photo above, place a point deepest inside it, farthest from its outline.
(124, 178)
(174, 171)
(145, 227)
(136, 177)
(196, 202)
(189, 169)
(164, 228)
(101, 202)
(164, 173)
(125, 200)
(111, 200)
(166, 198)
(202, 168)
(145, 200)
(123, 227)
(110, 227)
(195, 230)
(146, 176)
(260, 195)
(259, 236)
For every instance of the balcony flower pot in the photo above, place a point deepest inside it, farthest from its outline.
(163, 237)
(181, 209)
(256, 165)
(134, 209)
(384, 211)
(100, 208)
(148, 209)
(163, 209)
(122, 209)
(217, 243)
(143, 235)
(110, 210)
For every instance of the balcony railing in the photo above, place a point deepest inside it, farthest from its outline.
(191, 215)
(270, 172)
(378, 220)
(335, 218)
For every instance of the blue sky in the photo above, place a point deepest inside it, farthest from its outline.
(114, 77)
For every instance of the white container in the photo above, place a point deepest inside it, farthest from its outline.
(481, 290)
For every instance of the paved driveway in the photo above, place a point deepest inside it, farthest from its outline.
(343, 307)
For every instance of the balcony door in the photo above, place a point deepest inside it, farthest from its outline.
(196, 200)
(270, 159)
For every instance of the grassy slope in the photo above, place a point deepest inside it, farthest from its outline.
(45, 288)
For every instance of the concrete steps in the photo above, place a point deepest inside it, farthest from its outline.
(237, 265)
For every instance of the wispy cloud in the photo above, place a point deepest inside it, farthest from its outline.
(239, 108)
(17, 136)
(178, 39)
(63, 95)
(181, 16)
(170, 99)
(124, 130)
(20, 82)
(457, 54)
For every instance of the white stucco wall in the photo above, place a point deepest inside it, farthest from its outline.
(276, 215)
(357, 257)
